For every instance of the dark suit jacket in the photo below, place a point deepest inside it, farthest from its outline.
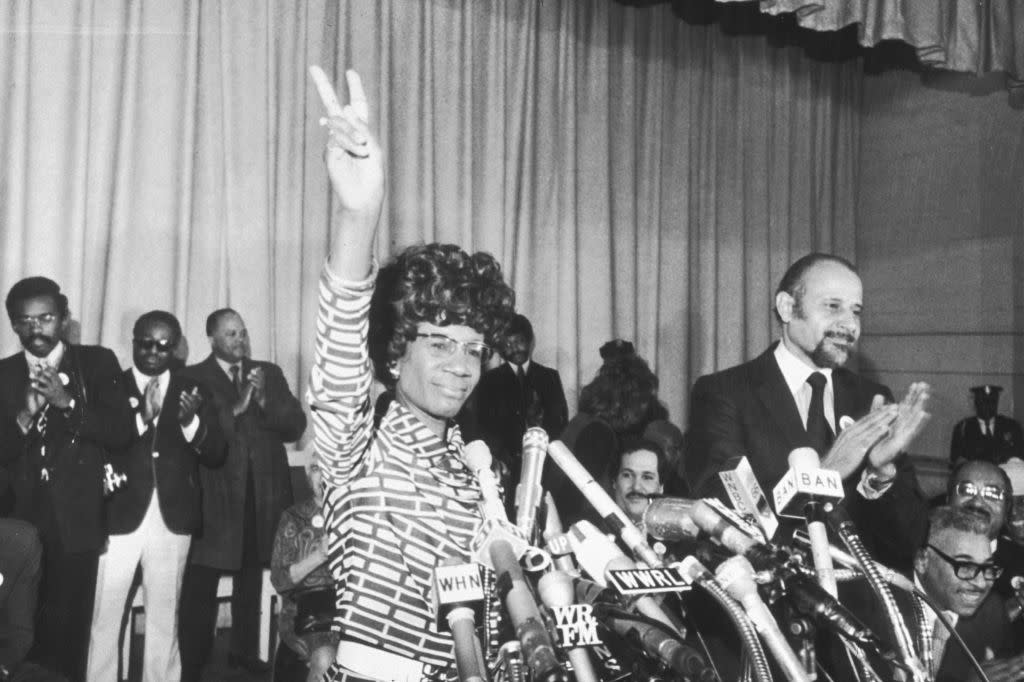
(749, 410)
(255, 441)
(504, 415)
(987, 628)
(77, 444)
(969, 443)
(20, 557)
(174, 468)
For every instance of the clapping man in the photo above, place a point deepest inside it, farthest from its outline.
(152, 517)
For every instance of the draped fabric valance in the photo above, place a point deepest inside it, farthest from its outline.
(973, 36)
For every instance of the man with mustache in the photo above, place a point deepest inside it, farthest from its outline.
(984, 488)
(636, 476)
(799, 394)
(63, 412)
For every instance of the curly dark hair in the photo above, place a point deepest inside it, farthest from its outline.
(625, 391)
(440, 284)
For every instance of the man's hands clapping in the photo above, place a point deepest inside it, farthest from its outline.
(189, 403)
(881, 435)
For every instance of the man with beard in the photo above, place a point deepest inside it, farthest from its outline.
(985, 489)
(243, 499)
(517, 395)
(798, 394)
(63, 409)
(153, 515)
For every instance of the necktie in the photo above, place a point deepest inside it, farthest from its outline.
(236, 378)
(940, 635)
(819, 433)
(153, 396)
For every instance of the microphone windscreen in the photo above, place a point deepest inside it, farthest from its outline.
(556, 588)
(804, 458)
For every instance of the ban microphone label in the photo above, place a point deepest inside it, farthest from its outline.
(647, 580)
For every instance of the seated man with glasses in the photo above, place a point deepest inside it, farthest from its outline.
(955, 569)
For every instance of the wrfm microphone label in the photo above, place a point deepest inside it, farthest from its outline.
(576, 625)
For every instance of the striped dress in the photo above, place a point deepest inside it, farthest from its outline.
(399, 499)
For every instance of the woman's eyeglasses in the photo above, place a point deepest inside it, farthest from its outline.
(972, 489)
(968, 570)
(444, 346)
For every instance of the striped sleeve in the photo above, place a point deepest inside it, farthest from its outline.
(339, 385)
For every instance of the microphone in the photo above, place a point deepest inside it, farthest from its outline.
(556, 542)
(597, 554)
(848, 561)
(736, 575)
(812, 600)
(458, 598)
(808, 491)
(806, 482)
(557, 593)
(529, 492)
(478, 459)
(603, 504)
(747, 497)
(681, 519)
(499, 545)
(653, 639)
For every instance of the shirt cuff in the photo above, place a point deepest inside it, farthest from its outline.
(190, 429)
(339, 284)
(870, 490)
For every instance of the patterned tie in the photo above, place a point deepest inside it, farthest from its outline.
(940, 635)
(819, 433)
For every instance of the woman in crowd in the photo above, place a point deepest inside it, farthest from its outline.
(298, 571)
(619, 403)
(399, 498)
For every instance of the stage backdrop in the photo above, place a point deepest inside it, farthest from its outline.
(638, 176)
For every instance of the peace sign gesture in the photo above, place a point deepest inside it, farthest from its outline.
(355, 165)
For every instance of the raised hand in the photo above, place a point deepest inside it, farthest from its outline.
(243, 402)
(48, 383)
(188, 405)
(258, 379)
(911, 417)
(151, 403)
(355, 165)
(854, 442)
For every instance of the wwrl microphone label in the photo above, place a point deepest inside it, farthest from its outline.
(647, 580)
(576, 625)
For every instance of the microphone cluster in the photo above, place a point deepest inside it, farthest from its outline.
(589, 604)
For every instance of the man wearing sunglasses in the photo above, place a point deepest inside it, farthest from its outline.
(153, 515)
(63, 408)
(956, 570)
(243, 499)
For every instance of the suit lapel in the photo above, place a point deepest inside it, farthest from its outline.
(777, 400)
(218, 376)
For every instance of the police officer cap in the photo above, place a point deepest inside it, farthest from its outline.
(986, 389)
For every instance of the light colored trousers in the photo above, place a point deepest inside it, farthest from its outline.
(162, 555)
